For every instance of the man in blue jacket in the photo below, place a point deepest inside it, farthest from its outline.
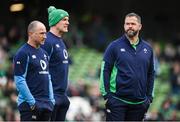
(32, 79)
(127, 74)
(58, 63)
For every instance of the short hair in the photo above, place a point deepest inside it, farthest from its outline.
(32, 26)
(134, 15)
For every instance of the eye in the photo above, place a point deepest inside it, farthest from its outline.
(42, 33)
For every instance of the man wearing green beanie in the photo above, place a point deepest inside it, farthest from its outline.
(58, 63)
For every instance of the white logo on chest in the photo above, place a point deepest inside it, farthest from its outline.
(43, 64)
(57, 45)
(18, 62)
(145, 50)
(122, 50)
(33, 56)
(65, 53)
(45, 56)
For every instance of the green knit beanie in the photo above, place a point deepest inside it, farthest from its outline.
(56, 15)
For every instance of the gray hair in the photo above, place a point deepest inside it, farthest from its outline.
(32, 26)
(134, 15)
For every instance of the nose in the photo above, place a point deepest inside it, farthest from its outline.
(130, 25)
(45, 36)
(67, 22)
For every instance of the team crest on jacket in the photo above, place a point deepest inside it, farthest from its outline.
(122, 50)
(33, 56)
(45, 56)
(57, 45)
(145, 50)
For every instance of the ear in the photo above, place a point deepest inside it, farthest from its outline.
(140, 26)
(30, 33)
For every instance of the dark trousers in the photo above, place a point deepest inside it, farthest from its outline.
(38, 114)
(60, 108)
(117, 110)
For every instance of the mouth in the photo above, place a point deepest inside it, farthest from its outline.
(43, 40)
(66, 26)
(130, 30)
(131, 33)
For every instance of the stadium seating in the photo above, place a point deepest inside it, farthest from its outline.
(85, 64)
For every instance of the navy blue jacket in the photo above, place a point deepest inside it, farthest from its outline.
(31, 73)
(127, 73)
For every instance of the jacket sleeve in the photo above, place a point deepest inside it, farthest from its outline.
(51, 94)
(21, 62)
(106, 69)
(151, 76)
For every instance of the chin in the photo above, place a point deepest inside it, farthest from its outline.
(130, 35)
(42, 43)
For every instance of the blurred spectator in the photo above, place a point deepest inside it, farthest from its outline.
(97, 34)
(167, 111)
(169, 52)
(14, 34)
(157, 53)
(79, 109)
(175, 77)
(4, 43)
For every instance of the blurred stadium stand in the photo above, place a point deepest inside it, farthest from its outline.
(93, 24)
